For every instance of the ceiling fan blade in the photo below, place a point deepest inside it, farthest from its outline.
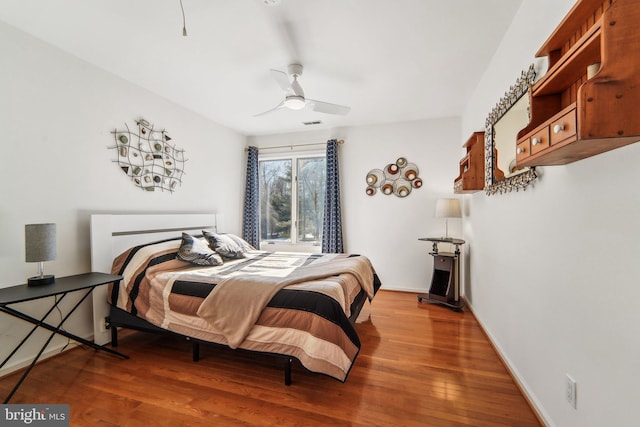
(285, 31)
(277, 107)
(282, 79)
(297, 89)
(289, 40)
(325, 107)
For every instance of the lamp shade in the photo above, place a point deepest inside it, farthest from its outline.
(448, 208)
(40, 242)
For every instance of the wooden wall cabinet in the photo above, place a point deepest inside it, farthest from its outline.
(471, 178)
(575, 114)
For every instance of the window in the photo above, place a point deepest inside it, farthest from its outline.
(292, 199)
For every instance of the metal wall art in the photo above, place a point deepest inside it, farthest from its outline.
(147, 157)
(396, 178)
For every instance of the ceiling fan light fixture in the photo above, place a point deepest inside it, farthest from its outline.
(294, 102)
(294, 95)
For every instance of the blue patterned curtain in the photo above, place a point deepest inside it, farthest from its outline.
(251, 220)
(332, 224)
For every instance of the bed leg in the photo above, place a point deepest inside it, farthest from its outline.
(287, 371)
(196, 351)
(114, 336)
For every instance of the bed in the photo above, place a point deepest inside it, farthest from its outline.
(292, 305)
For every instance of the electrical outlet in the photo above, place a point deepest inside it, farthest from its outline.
(570, 391)
(105, 324)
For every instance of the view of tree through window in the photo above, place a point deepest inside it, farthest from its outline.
(311, 189)
(288, 212)
(275, 199)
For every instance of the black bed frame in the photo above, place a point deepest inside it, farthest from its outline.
(119, 318)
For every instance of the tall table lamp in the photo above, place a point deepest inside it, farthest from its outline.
(448, 208)
(40, 246)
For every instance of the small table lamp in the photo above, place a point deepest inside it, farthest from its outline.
(40, 246)
(448, 208)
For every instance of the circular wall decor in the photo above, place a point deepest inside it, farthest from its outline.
(397, 178)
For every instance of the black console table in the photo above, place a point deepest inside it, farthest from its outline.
(445, 282)
(62, 286)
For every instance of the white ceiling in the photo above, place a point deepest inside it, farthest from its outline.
(390, 61)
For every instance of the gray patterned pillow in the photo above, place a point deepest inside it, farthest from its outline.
(195, 251)
(246, 246)
(224, 245)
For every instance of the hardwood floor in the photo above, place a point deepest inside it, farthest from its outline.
(420, 365)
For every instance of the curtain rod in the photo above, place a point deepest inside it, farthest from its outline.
(340, 141)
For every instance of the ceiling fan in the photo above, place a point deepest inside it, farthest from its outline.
(294, 95)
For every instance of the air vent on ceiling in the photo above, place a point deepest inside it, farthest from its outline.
(315, 122)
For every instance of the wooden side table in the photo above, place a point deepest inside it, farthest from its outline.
(445, 282)
(63, 285)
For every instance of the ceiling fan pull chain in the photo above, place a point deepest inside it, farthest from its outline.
(184, 22)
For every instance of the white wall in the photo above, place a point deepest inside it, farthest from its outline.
(553, 270)
(386, 228)
(553, 275)
(56, 114)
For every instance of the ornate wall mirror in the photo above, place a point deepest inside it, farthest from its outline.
(508, 117)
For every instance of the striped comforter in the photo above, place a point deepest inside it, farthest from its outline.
(308, 320)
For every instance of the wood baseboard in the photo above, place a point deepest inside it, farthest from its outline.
(21, 364)
(506, 365)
